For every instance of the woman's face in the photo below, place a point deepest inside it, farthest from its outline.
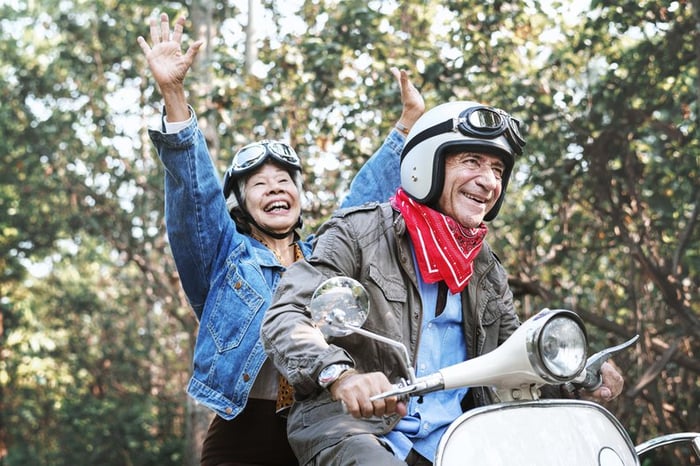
(272, 198)
(473, 184)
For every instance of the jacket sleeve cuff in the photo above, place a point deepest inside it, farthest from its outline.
(176, 126)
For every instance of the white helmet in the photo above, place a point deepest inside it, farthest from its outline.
(450, 127)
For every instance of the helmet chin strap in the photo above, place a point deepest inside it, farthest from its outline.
(246, 217)
(272, 233)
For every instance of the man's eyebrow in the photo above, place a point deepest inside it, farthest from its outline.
(480, 156)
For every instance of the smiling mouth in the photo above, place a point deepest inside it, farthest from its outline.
(476, 199)
(276, 206)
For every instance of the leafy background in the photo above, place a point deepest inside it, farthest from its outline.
(601, 215)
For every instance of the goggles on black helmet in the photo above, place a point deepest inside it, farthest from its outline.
(254, 154)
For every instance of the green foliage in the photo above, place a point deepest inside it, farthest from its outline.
(601, 215)
(83, 362)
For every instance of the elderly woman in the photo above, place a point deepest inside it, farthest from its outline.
(231, 250)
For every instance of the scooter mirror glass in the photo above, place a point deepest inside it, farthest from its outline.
(338, 306)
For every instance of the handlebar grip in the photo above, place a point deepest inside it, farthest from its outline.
(593, 378)
(591, 381)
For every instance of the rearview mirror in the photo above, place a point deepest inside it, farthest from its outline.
(339, 306)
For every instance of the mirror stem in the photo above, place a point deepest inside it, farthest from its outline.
(407, 359)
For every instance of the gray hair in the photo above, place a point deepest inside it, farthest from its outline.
(232, 201)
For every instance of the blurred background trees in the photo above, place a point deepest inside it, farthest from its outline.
(601, 215)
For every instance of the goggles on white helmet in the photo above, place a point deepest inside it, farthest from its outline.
(452, 127)
(489, 122)
(479, 122)
(253, 155)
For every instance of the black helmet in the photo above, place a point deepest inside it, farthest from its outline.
(247, 159)
(455, 126)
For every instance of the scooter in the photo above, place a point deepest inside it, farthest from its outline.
(520, 427)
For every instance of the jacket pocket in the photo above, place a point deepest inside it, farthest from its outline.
(491, 317)
(493, 311)
(392, 287)
(236, 312)
(388, 295)
(315, 425)
(330, 421)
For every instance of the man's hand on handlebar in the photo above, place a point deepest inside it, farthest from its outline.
(611, 386)
(354, 391)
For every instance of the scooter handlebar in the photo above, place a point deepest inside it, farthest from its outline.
(591, 378)
(422, 385)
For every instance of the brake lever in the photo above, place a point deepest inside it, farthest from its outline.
(591, 377)
(399, 390)
(421, 386)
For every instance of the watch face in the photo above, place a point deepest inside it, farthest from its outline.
(329, 374)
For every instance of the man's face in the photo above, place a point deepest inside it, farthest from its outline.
(472, 187)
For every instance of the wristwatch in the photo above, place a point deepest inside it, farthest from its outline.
(331, 373)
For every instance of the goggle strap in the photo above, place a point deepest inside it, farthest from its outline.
(453, 125)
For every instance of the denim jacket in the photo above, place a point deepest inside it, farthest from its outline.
(228, 277)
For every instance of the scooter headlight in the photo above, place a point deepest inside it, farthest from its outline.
(560, 346)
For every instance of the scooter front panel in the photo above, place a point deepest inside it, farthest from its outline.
(544, 432)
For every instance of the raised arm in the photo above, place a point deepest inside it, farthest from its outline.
(411, 99)
(195, 211)
(379, 177)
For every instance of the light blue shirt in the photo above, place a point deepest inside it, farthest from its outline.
(441, 344)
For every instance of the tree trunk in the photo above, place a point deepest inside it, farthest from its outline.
(251, 51)
(196, 425)
(199, 82)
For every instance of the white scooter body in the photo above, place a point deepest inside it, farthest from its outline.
(531, 433)
(520, 429)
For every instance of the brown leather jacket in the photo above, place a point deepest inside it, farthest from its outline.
(370, 244)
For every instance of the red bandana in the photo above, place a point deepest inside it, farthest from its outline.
(444, 249)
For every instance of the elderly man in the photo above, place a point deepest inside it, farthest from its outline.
(434, 284)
